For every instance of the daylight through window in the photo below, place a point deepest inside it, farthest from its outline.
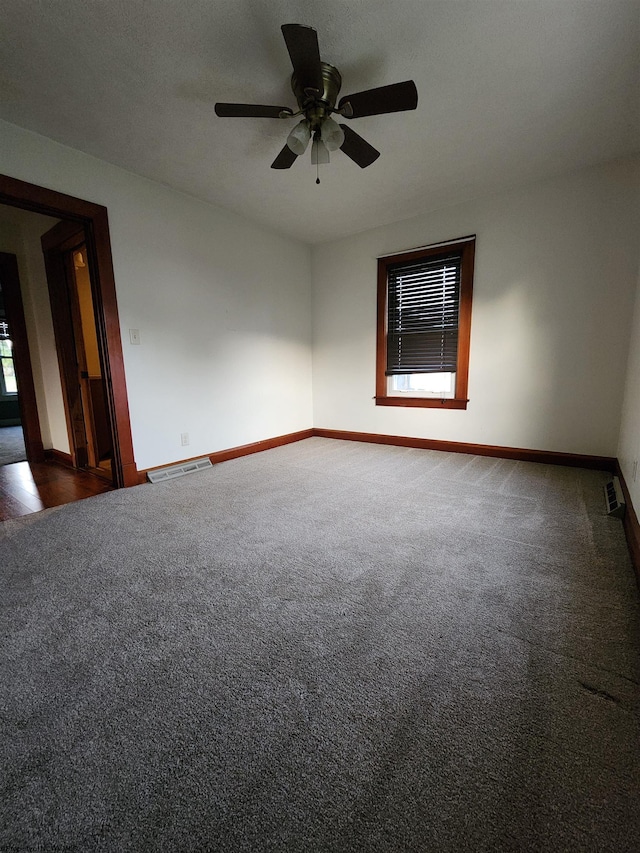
(8, 384)
(424, 324)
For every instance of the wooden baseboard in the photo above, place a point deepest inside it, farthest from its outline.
(631, 526)
(58, 456)
(548, 457)
(236, 452)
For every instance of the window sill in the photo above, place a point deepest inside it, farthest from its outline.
(421, 402)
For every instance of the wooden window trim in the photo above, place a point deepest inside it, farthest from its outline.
(460, 400)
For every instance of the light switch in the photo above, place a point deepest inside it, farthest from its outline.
(134, 336)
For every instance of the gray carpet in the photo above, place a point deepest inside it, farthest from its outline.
(12, 447)
(330, 646)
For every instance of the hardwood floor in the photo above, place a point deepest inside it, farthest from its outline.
(26, 488)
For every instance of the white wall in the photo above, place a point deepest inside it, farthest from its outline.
(555, 276)
(22, 238)
(222, 305)
(44, 357)
(629, 446)
(224, 311)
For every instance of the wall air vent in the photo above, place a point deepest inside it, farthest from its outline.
(614, 498)
(173, 471)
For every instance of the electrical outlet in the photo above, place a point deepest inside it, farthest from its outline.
(134, 336)
(184, 438)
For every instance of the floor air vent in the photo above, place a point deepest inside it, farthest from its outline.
(614, 498)
(162, 474)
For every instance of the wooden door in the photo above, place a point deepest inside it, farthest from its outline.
(82, 377)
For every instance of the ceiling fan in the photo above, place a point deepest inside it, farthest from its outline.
(316, 85)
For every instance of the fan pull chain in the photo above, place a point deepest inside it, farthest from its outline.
(317, 173)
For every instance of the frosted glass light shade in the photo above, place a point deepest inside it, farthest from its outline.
(332, 134)
(319, 153)
(299, 137)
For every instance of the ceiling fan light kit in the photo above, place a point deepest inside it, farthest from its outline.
(299, 137)
(319, 152)
(332, 134)
(316, 86)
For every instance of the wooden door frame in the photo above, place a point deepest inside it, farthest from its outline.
(93, 218)
(22, 359)
(55, 264)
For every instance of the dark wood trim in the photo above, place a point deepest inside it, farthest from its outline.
(259, 446)
(94, 219)
(630, 525)
(548, 457)
(381, 333)
(464, 319)
(59, 246)
(108, 322)
(421, 402)
(65, 232)
(60, 457)
(382, 398)
(22, 359)
(236, 452)
(42, 200)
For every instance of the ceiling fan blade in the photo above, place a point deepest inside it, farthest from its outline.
(302, 44)
(385, 99)
(251, 111)
(285, 159)
(357, 148)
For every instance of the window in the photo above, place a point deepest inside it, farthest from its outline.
(8, 385)
(424, 326)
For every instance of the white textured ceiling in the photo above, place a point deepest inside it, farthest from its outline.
(509, 91)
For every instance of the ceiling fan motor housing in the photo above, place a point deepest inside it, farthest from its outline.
(318, 107)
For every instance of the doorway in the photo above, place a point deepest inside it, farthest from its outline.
(90, 220)
(12, 446)
(71, 291)
(16, 364)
